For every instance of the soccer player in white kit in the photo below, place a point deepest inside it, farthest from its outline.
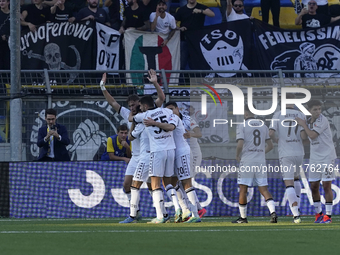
(291, 152)
(133, 103)
(252, 137)
(182, 162)
(322, 159)
(194, 132)
(162, 154)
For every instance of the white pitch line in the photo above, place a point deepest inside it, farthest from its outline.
(165, 231)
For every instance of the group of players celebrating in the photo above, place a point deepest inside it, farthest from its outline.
(165, 151)
(160, 155)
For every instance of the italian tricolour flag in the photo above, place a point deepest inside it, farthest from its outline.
(143, 51)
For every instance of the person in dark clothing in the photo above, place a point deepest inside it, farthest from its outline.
(4, 35)
(34, 15)
(274, 6)
(53, 139)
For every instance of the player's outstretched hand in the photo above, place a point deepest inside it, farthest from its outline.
(300, 121)
(153, 76)
(102, 82)
(149, 122)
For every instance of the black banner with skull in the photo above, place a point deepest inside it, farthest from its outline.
(225, 46)
(60, 46)
(306, 49)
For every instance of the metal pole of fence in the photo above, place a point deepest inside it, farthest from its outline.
(282, 84)
(48, 87)
(15, 103)
(165, 86)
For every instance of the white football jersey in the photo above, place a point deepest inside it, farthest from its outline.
(189, 124)
(140, 133)
(254, 134)
(159, 139)
(124, 112)
(288, 131)
(322, 147)
(182, 147)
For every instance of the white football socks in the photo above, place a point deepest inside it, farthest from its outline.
(292, 198)
(135, 196)
(192, 200)
(158, 200)
(243, 210)
(270, 205)
(171, 192)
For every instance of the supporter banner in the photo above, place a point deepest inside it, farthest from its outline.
(66, 46)
(107, 48)
(306, 50)
(143, 51)
(95, 190)
(225, 46)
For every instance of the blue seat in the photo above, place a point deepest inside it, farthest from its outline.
(213, 20)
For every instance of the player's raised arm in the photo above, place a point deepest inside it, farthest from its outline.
(107, 95)
(160, 94)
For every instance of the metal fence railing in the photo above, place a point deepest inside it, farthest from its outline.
(83, 110)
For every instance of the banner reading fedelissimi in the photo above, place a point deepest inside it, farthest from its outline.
(301, 50)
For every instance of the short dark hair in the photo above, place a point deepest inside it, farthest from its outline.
(313, 102)
(171, 103)
(148, 100)
(122, 128)
(133, 97)
(162, 1)
(51, 112)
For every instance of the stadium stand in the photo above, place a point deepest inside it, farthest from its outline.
(287, 17)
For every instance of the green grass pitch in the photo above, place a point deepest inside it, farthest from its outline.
(215, 235)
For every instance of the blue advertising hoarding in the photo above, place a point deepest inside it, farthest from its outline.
(94, 190)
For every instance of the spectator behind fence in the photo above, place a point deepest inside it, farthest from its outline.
(4, 35)
(192, 17)
(53, 139)
(163, 22)
(235, 11)
(274, 7)
(62, 11)
(135, 17)
(116, 11)
(118, 146)
(311, 19)
(34, 15)
(93, 12)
